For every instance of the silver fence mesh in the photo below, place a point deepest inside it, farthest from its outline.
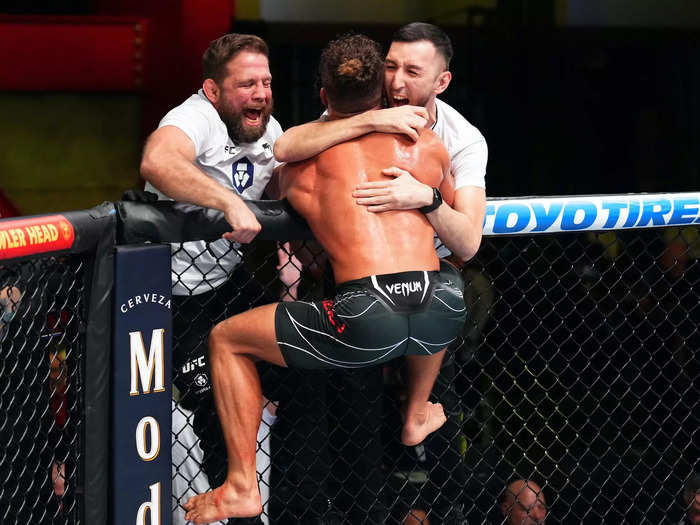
(577, 370)
(42, 349)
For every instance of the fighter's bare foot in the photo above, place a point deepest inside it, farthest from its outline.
(221, 503)
(421, 423)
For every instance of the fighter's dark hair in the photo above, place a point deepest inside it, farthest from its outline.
(417, 31)
(224, 48)
(351, 72)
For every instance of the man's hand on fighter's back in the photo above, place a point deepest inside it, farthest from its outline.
(402, 193)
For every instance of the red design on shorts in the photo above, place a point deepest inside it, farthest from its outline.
(328, 307)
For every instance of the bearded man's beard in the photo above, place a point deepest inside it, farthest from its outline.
(238, 130)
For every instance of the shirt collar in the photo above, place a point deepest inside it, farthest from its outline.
(437, 113)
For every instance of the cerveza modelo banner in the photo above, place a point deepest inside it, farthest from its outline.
(141, 387)
(530, 215)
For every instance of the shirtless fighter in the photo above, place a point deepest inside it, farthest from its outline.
(393, 298)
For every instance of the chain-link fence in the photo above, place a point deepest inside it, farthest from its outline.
(578, 370)
(41, 398)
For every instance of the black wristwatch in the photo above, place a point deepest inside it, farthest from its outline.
(437, 201)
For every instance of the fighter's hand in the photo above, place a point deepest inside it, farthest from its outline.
(243, 221)
(402, 193)
(406, 120)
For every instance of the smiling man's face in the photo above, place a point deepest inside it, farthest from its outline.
(413, 72)
(245, 96)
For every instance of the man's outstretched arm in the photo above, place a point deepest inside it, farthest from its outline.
(306, 140)
(168, 164)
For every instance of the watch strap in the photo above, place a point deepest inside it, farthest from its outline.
(437, 201)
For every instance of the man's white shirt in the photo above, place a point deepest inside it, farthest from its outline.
(244, 168)
(467, 149)
(465, 145)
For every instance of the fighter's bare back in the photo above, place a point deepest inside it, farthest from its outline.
(360, 243)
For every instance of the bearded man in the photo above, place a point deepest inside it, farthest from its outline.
(213, 150)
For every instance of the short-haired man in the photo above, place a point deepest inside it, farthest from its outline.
(213, 150)
(204, 149)
(523, 503)
(416, 72)
(386, 269)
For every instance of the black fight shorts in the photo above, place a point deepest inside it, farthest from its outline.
(373, 320)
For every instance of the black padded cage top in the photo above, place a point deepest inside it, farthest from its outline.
(578, 370)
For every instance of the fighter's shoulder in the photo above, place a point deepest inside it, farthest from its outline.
(431, 143)
(428, 137)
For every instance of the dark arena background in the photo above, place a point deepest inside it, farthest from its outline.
(578, 365)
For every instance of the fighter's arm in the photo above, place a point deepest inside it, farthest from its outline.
(168, 164)
(306, 140)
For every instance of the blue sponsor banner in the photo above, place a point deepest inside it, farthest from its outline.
(531, 215)
(141, 387)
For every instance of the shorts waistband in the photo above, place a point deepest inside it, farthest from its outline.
(399, 276)
(402, 291)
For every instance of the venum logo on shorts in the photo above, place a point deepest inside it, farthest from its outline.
(242, 174)
(328, 307)
(404, 289)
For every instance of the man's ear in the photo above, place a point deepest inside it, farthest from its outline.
(443, 81)
(324, 101)
(211, 90)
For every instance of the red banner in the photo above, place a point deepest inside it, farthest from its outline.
(7, 207)
(72, 53)
(47, 233)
